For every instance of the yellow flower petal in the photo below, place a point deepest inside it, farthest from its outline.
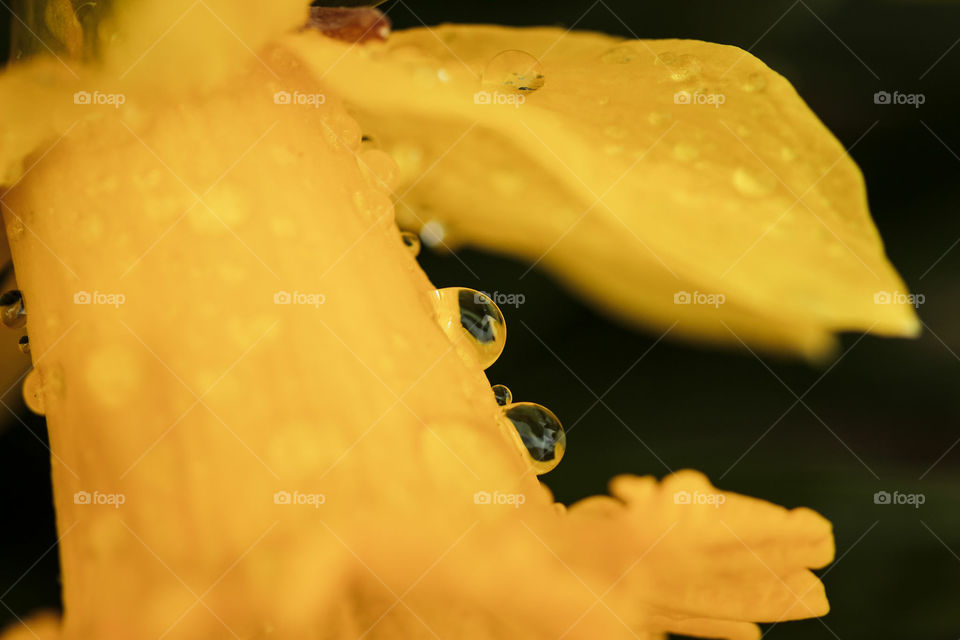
(700, 561)
(633, 198)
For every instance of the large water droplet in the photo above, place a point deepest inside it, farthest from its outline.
(503, 395)
(540, 431)
(514, 70)
(12, 310)
(472, 319)
(33, 392)
(411, 241)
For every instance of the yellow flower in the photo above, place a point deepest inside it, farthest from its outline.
(258, 425)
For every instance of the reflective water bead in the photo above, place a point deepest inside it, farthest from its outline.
(541, 433)
(470, 317)
(33, 392)
(503, 395)
(24, 344)
(12, 310)
(411, 241)
(515, 71)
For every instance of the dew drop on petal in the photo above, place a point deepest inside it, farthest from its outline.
(540, 431)
(620, 54)
(24, 344)
(754, 83)
(473, 320)
(503, 395)
(411, 241)
(515, 71)
(33, 392)
(12, 310)
(433, 233)
(752, 184)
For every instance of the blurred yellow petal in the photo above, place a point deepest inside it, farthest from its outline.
(615, 178)
(336, 465)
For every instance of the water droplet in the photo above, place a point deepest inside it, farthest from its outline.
(620, 54)
(433, 233)
(412, 242)
(754, 82)
(15, 229)
(515, 71)
(12, 310)
(471, 318)
(683, 68)
(752, 184)
(503, 395)
(540, 431)
(24, 344)
(379, 169)
(33, 392)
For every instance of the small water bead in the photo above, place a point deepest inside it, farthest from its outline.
(433, 234)
(503, 395)
(620, 54)
(33, 392)
(411, 241)
(541, 433)
(24, 344)
(469, 316)
(514, 70)
(753, 184)
(755, 82)
(12, 309)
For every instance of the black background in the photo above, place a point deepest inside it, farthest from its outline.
(879, 419)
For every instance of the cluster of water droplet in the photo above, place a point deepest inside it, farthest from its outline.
(476, 326)
(14, 315)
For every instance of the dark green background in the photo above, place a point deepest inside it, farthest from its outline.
(894, 403)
